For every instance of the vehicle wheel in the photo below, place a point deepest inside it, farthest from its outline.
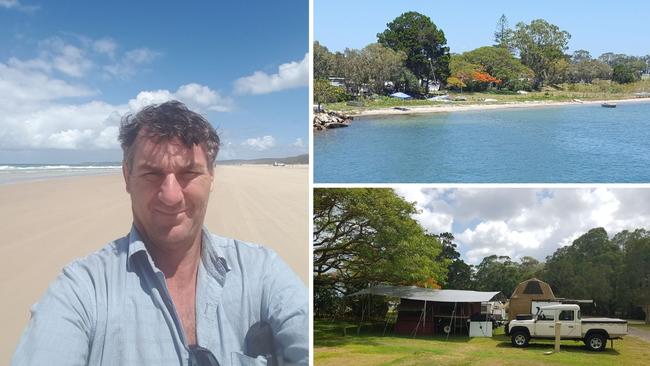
(596, 342)
(520, 338)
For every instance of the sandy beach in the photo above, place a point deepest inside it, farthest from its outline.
(441, 107)
(47, 224)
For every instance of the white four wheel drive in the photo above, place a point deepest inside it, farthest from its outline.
(593, 331)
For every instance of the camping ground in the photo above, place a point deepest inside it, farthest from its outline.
(332, 347)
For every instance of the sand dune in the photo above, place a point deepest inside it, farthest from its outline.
(47, 224)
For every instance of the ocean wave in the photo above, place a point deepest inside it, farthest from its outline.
(57, 167)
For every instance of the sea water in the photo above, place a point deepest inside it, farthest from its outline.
(567, 144)
(14, 173)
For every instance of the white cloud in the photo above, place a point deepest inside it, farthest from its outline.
(37, 110)
(201, 97)
(197, 97)
(9, 3)
(89, 125)
(260, 143)
(105, 46)
(72, 61)
(290, 75)
(526, 222)
(45, 105)
(15, 4)
(66, 58)
(22, 82)
(128, 65)
(298, 143)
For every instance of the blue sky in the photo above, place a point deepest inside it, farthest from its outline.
(70, 69)
(597, 26)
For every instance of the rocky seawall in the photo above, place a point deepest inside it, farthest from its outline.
(328, 120)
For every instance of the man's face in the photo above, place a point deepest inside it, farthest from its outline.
(169, 185)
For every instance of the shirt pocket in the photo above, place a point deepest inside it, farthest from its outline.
(240, 359)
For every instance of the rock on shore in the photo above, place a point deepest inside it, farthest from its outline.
(327, 120)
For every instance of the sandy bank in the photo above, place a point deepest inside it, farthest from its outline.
(442, 108)
(47, 224)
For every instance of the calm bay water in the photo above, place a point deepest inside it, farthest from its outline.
(569, 144)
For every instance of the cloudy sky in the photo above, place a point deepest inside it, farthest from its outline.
(525, 222)
(69, 70)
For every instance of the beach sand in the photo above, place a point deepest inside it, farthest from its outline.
(47, 224)
(441, 107)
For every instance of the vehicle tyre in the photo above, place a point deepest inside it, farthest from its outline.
(519, 338)
(596, 342)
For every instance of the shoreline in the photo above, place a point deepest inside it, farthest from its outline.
(482, 107)
(9, 177)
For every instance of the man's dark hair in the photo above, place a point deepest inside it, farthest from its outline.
(166, 121)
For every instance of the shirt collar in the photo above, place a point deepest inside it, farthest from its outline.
(215, 265)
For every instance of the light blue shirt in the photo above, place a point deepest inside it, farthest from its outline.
(113, 308)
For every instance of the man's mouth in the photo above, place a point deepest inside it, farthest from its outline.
(170, 213)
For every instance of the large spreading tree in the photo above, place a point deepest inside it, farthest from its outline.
(541, 47)
(364, 237)
(427, 54)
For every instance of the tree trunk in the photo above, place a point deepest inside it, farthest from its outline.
(647, 313)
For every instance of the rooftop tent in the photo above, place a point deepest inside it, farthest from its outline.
(401, 95)
(431, 311)
(527, 292)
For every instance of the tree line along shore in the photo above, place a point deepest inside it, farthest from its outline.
(411, 65)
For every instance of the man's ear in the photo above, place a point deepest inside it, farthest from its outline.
(125, 174)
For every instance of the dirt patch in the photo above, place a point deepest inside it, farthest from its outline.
(639, 333)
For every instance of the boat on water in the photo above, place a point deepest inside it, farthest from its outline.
(609, 105)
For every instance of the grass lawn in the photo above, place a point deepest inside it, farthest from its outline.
(331, 347)
(566, 94)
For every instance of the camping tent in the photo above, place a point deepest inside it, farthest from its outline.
(431, 311)
(401, 95)
(527, 292)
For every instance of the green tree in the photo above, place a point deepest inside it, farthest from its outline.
(503, 34)
(455, 83)
(459, 275)
(497, 273)
(324, 92)
(367, 236)
(529, 267)
(501, 64)
(463, 70)
(624, 73)
(384, 65)
(427, 55)
(625, 69)
(407, 82)
(580, 56)
(540, 45)
(323, 62)
(587, 269)
(584, 69)
(635, 279)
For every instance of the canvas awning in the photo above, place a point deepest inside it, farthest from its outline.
(427, 294)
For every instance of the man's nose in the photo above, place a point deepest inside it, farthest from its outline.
(171, 192)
